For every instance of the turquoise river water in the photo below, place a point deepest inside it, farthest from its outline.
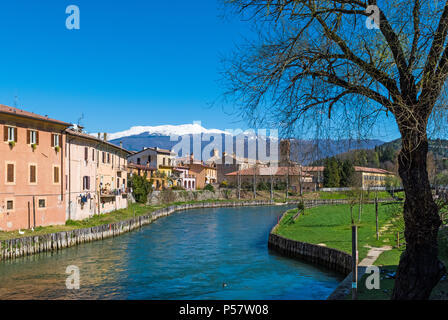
(197, 254)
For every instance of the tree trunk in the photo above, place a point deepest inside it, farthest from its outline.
(420, 269)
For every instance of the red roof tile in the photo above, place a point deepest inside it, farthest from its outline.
(22, 113)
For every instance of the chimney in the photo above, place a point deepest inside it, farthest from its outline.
(215, 153)
(121, 144)
(105, 136)
(192, 158)
(99, 136)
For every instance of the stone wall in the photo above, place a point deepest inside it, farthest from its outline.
(160, 197)
(15, 248)
(324, 256)
(328, 257)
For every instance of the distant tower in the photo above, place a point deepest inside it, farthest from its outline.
(285, 147)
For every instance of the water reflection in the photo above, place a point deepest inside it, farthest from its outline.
(188, 255)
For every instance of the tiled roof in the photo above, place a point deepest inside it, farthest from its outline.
(372, 170)
(268, 171)
(22, 113)
(140, 166)
(90, 137)
(313, 169)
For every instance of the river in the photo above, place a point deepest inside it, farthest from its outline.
(196, 254)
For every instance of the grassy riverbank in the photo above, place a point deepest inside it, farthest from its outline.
(388, 263)
(331, 226)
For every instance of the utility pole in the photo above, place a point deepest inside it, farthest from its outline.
(239, 183)
(376, 215)
(255, 180)
(354, 262)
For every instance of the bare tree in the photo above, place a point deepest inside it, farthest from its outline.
(317, 58)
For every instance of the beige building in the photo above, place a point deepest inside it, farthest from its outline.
(161, 160)
(96, 175)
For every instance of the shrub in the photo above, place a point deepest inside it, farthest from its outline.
(141, 187)
(263, 186)
(224, 184)
(209, 187)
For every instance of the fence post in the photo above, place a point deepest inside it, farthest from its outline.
(354, 262)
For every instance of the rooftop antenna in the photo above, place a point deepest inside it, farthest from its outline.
(16, 101)
(80, 119)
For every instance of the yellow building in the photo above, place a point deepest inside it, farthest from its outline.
(371, 177)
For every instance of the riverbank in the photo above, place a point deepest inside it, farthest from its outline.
(28, 245)
(322, 235)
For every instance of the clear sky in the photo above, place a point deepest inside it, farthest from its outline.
(132, 62)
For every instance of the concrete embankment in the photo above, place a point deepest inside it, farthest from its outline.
(19, 247)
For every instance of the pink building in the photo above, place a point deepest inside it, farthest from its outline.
(97, 176)
(32, 170)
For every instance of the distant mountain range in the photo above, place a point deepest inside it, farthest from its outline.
(304, 151)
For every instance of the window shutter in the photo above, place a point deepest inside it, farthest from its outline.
(86, 153)
(28, 138)
(15, 134)
(56, 175)
(88, 183)
(37, 137)
(52, 140)
(10, 173)
(32, 174)
(5, 133)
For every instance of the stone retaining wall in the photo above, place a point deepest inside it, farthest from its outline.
(15, 248)
(328, 257)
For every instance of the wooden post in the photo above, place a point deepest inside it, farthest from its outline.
(34, 211)
(29, 216)
(398, 239)
(376, 214)
(354, 262)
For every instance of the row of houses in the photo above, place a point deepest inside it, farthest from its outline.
(51, 172)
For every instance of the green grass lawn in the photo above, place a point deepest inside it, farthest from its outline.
(331, 225)
(388, 263)
(345, 195)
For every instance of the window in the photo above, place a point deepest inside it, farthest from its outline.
(55, 140)
(10, 134)
(104, 157)
(108, 157)
(42, 203)
(9, 205)
(138, 160)
(86, 183)
(93, 154)
(86, 154)
(33, 173)
(32, 137)
(56, 174)
(163, 161)
(10, 173)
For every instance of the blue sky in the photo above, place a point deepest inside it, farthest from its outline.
(132, 62)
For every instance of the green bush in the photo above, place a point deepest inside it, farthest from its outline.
(263, 186)
(141, 187)
(209, 187)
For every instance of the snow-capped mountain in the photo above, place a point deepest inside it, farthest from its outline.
(140, 137)
(166, 130)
